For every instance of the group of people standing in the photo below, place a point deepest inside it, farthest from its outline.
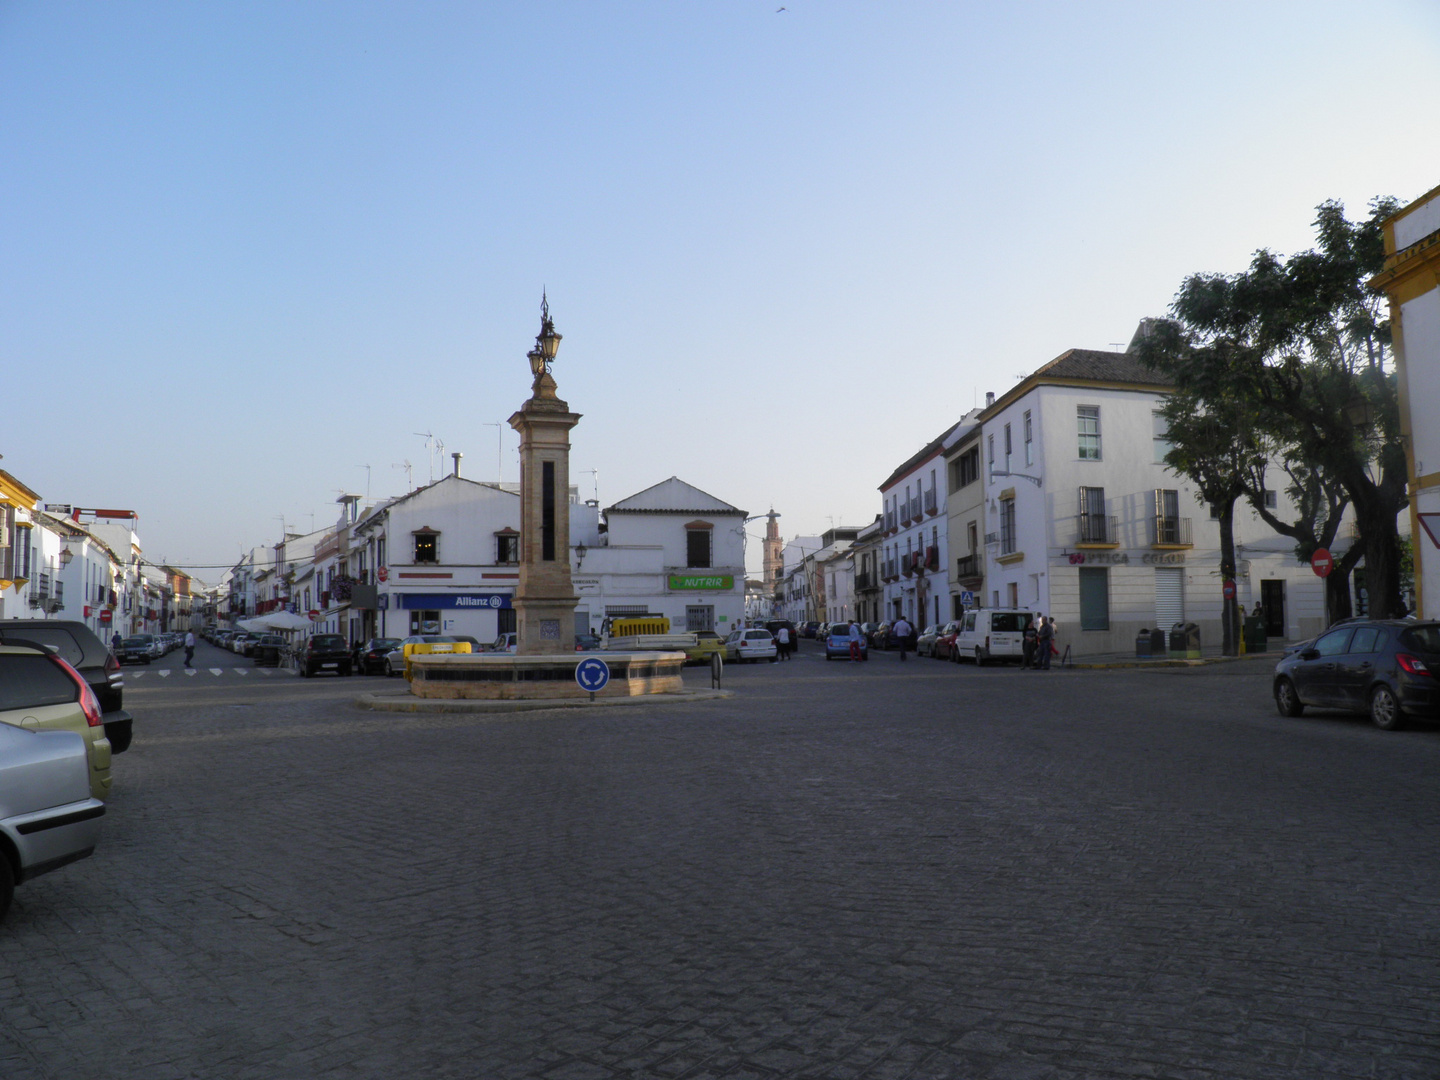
(1038, 644)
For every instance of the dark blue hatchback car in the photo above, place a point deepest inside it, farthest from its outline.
(1386, 668)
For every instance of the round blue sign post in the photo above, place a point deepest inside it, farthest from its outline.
(593, 674)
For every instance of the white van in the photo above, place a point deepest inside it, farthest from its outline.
(992, 634)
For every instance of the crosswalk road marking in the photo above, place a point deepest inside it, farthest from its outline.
(164, 673)
(241, 671)
(190, 671)
(215, 671)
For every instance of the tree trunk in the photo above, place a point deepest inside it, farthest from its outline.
(1230, 613)
(1377, 518)
(1337, 586)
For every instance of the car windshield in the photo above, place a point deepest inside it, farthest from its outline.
(328, 641)
(434, 638)
(387, 642)
(138, 639)
(1424, 639)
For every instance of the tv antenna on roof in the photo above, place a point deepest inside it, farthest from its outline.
(409, 486)
(429, 451)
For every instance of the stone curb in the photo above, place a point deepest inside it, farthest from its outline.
(1105, 665)
(403, 702)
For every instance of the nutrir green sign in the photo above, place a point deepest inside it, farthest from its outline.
(693, 582)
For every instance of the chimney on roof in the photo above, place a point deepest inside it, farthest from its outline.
(457, 456)
(989, 398)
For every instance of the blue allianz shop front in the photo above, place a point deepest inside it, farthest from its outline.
(481, 615)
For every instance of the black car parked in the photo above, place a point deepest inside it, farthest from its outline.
(325, 652)
(77, 645)
(1387, 668)
(373, 653)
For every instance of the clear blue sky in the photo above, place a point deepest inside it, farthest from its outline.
(250, 248)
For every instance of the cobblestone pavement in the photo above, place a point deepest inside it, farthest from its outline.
(847, 870)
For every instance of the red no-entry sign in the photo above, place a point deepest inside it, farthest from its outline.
(1321, 563)
(1228, 589)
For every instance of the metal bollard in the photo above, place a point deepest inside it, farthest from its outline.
(717, 667)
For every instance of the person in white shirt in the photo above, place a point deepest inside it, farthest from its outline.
(902, 631)
(782, 642)
(189, 647)
(855, 653)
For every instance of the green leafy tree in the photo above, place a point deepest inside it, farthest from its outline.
(1213, 446)
(1305, 343)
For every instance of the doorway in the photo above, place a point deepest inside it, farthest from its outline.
(1272, 600)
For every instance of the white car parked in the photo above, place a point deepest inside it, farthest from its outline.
(745, 645)
(992, 634)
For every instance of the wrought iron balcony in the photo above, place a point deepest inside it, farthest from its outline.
(1170, 532)
(968, 568)
(1099, 529)
(931, 504)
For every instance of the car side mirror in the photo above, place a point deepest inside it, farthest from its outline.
(1310, 654)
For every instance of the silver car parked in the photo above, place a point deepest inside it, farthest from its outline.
(47, 815)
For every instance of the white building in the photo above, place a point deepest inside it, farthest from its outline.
(914, 544)
(965, 513)
(1411, 278)
(670, 550)
(1088, 525)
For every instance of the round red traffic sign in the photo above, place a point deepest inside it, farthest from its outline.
(383, 573)
(314, 613)
(1321, 562)
(1228, 589)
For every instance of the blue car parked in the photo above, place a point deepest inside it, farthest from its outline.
(837, 643)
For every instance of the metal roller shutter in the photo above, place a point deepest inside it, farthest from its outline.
(1169, 596)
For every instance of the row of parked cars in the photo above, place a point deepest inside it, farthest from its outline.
(143, 648)
(61, 723)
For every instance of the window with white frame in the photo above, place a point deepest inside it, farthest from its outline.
(1008, 448)
(1029, 439)
(1087, 419)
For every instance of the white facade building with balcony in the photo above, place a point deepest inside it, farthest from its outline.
(1088, 525)
(914, 560)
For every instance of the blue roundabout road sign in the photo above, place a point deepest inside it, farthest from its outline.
(592, 674)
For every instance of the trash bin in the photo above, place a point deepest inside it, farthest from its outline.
(1142, 645)
(1157, 643)
(1177, 641)
(1255, 637)
(1191, 633)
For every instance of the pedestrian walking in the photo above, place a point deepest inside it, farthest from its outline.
(189, 647)
(782, 641)
(1028, 644)
(902, 631)
(1045, 642)
(116, 642)
(855, 651)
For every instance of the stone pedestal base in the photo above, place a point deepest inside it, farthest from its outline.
(497, 676)
(545, 627)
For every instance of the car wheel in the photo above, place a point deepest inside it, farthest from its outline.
(1384, 709)
(1286, 700)
(7, 885)
(389, 669)
(120, 739)
(979, 656)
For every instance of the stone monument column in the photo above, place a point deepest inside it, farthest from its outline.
(545, 598)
